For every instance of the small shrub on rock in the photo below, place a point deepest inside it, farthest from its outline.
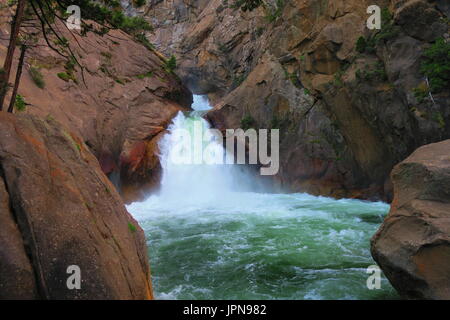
(37, 77)
(436, 65)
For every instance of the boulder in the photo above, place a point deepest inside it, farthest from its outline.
(58, 209)
(412, 246)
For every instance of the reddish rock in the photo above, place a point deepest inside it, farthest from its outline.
(58, 209)
(142, 163)
(123, 97)
(17, 279)
(413, 244)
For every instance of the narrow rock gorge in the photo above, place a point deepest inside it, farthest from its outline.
(119, 104)
(89, 145)
(346, 114)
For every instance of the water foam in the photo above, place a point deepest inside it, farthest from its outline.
(211, 236)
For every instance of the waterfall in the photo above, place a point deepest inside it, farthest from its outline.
(197, 180)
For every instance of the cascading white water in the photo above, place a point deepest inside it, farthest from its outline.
(198, 180)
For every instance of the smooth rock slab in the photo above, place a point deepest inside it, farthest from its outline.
(57, 209)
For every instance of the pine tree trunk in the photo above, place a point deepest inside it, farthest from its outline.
(15, 28)
(23, 50)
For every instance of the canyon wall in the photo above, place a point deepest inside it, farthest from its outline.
(346, 114)
(84, 120)
(120, 102)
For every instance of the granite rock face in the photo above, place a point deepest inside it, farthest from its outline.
(413, 244)
(118, 103)
(58, 209)
(345, 117)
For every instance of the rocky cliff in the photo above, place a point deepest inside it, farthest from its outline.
(119, 103)
(350, 103)
(413, 245)
(58, 209)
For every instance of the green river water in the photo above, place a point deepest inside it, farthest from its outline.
(262, 246)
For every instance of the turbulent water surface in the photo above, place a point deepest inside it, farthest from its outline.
(209, 241)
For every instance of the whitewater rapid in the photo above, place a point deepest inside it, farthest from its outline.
(212, 234)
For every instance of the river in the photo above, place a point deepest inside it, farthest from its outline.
(213, 234)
